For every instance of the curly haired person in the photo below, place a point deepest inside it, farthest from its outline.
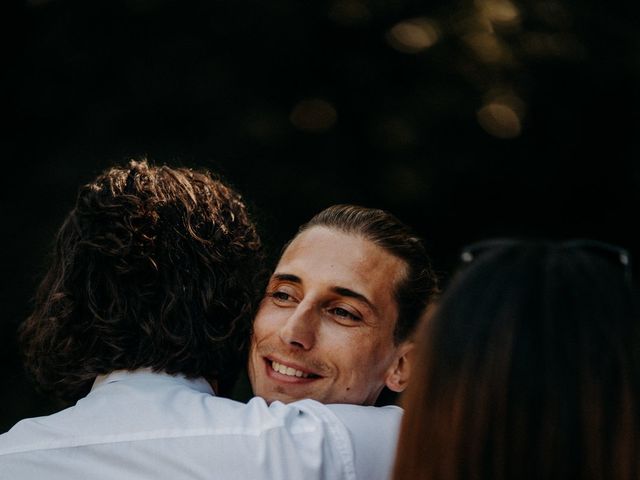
(143, 320)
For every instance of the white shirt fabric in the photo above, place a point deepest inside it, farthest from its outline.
(144, 425)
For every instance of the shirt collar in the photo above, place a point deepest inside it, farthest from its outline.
(199, 384)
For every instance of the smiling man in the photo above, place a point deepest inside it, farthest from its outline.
(142, 321)
(336, 320)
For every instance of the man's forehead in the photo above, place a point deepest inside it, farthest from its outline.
(338, 249)
(342, 260)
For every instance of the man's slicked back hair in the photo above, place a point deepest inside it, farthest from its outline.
(419, 286)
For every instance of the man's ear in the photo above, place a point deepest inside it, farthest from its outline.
(399, 371)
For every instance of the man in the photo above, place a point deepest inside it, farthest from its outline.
(151, 291)
(339, 310)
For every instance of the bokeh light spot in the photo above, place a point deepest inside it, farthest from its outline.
(313, 115)
(499, 120)
(504, 95)
(487, 47)
(413, 36)
(499, 12)
(349, 13)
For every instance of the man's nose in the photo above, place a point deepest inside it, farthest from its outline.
(300, 329)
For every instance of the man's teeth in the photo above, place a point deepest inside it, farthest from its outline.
(284, 370)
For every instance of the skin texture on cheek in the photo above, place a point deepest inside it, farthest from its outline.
(376, 365)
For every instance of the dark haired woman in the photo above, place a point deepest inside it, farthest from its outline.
(530, 369)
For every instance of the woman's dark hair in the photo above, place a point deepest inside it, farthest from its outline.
(419, 285)
(154, 267)
(529, 369)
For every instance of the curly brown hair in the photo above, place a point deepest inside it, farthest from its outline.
(154, 267)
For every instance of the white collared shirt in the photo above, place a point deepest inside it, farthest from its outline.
(144, 425)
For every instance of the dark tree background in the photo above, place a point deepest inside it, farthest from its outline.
(467, 119)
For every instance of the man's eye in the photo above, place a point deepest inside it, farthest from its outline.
(341, 312)
(280, 296)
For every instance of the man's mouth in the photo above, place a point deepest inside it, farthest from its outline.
(289, 371)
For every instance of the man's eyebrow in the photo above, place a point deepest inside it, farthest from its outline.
(287, 277)
(347, 292)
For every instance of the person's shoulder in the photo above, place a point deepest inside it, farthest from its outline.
(368, 435)
(313, 405)
(390, 415)
(347, 414)
(374, 435)
(26, 432)
(297, 415)
(385, 411)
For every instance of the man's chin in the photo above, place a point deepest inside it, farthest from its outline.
(283, 397)
(280, 393)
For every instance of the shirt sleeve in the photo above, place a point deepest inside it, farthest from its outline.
(363, 437)
(374, 434)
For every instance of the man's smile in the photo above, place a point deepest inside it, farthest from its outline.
(288, 372)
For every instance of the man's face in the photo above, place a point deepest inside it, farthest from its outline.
(324, 329)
